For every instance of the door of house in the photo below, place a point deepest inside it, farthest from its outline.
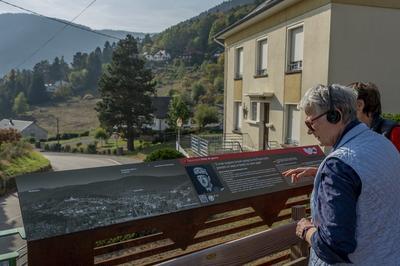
(265, 122)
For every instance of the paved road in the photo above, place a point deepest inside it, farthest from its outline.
(10, 215)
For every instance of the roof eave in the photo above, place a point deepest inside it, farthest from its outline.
(270, 9)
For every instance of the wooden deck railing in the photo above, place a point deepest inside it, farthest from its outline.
(200, 232)
(252, 247)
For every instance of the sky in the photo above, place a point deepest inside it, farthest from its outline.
(148, 16)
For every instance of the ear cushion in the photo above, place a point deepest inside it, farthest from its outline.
(333, 116)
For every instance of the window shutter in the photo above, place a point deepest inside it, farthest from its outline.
(297, 40)
(264, 54)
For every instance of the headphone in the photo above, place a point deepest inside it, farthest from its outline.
(333, 116)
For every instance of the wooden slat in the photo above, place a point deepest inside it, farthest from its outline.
(128, 244)
(131, 257)
(300, 202)
(229, 220)
(242, 250)
(275, 260)
(303, 261)
(227, 232)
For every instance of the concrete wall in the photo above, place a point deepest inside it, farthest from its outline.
(365, 47)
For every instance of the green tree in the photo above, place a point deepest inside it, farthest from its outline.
(177, 109)
(94, 68)
(126, 89)
(79, 61)
(198, 90)
(37, 91)
(101, 135)
(20, 104)
(205, 114)
(77, 79)
(107, 52)
(63, 92)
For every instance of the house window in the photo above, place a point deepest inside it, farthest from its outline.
(254, 111)
(293, 125)
(262, 58)
(296, 39)
(239, 63)
(238, 114)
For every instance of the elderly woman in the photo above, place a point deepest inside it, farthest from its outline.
(356, 195)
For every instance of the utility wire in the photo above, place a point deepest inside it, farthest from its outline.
(52, 37)
(61, 21)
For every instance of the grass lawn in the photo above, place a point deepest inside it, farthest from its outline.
(142, 148)
(32, 162)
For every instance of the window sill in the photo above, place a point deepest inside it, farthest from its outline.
(253, 122)
(293, 72)
(238, 78)
(237, 131)
(256, 76)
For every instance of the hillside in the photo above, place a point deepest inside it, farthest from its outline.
(75, 115)
(29, 32)
(226, 6)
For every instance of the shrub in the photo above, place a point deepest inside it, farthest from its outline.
(101, 134)
(84, 134)
(108, 151)
(9, 135)
(78, 144)
(74, 150)
(66, 136)
(91, 148)
(46, 147)
(67, 148)
(394, 117)
(9, 151)
(81, 150)
(163, 154)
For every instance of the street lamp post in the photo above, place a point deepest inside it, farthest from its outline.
(179, 123)
(58, 135)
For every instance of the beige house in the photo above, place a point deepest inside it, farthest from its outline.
(284, 47)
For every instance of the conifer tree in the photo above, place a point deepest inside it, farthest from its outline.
(126, 88)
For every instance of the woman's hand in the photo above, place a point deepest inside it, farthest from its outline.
(300, 172)
(304, 230)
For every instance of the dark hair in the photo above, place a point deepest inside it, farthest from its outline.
(369, 93)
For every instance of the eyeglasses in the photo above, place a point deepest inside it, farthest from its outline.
(309, 123)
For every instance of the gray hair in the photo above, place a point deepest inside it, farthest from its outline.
(317, 100)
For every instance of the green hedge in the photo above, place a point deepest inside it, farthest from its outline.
(163, 154)
(395, 117)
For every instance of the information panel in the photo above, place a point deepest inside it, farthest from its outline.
(58, 203)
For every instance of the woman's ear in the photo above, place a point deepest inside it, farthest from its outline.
(360, 105)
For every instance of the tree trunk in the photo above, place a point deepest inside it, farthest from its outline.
(130, 139)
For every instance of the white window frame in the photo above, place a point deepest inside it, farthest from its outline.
(294, 65)
(239, 56)
(260, 70)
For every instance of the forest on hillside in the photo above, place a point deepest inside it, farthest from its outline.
(194, 70)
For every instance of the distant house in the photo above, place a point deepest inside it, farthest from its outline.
(160, 56)
(52, 87)
(160, 105)
(28, 129)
